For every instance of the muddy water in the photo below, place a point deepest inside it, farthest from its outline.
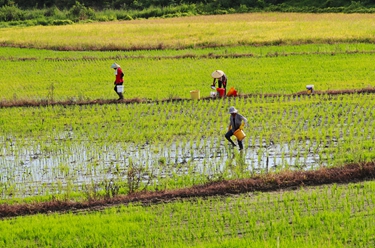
(43, 170)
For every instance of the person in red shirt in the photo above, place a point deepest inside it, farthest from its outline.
(119, 88)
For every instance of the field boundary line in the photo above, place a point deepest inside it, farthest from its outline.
(43, 103)
(285, 180)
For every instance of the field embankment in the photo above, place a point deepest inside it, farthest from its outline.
(287, 180)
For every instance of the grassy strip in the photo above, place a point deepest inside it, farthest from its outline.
(342, 215)
(167, 79)
(24, 54)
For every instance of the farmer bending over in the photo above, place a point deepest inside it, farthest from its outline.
(221, 78)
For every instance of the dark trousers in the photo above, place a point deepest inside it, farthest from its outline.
(223, 85)
(230, 134)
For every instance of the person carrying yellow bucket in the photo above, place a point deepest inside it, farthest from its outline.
(236, 125)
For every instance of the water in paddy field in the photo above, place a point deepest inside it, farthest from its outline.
(40, 169)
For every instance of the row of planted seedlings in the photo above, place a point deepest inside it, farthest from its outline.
(285, 217)
(122, 148)
(281, 219)
(79, 79)
(340, 215)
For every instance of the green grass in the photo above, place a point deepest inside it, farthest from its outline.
(329, 216)
(77, 78)
(9, 53)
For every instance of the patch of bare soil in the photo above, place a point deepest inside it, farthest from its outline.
(265, 183)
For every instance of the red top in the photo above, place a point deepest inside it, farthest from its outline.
(119, 76)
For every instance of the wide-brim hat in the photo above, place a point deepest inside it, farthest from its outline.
(115, 66)
(232, 110)
(217, 74)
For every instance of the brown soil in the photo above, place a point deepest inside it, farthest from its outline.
(31, 103)
(268, 182)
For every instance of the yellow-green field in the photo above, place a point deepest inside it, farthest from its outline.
(87, 152)
(195, 32)
(62, 76)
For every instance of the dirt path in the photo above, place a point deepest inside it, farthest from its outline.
(264, 183)
(31, 103)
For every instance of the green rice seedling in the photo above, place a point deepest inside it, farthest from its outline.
(79, 80)
(96, 151)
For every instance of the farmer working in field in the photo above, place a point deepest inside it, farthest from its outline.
(222, 80)
(236, 121)
(119, 80)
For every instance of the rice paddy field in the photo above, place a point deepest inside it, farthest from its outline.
(329, 216)
(76, 143)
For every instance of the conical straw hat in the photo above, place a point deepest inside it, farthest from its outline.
(217, 74)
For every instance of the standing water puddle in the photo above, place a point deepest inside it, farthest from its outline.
(39, 171)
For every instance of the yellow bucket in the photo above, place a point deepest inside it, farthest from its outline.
(240, 135)
(195, 94)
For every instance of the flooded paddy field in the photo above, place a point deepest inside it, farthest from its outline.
(165, 145)
(34, 171)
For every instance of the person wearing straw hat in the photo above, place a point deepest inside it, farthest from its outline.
(221, 78)
(236, 121)
(119, 81)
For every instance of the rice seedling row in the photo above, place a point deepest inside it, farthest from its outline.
(45, 80)
(341, 215)
(53, 150)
